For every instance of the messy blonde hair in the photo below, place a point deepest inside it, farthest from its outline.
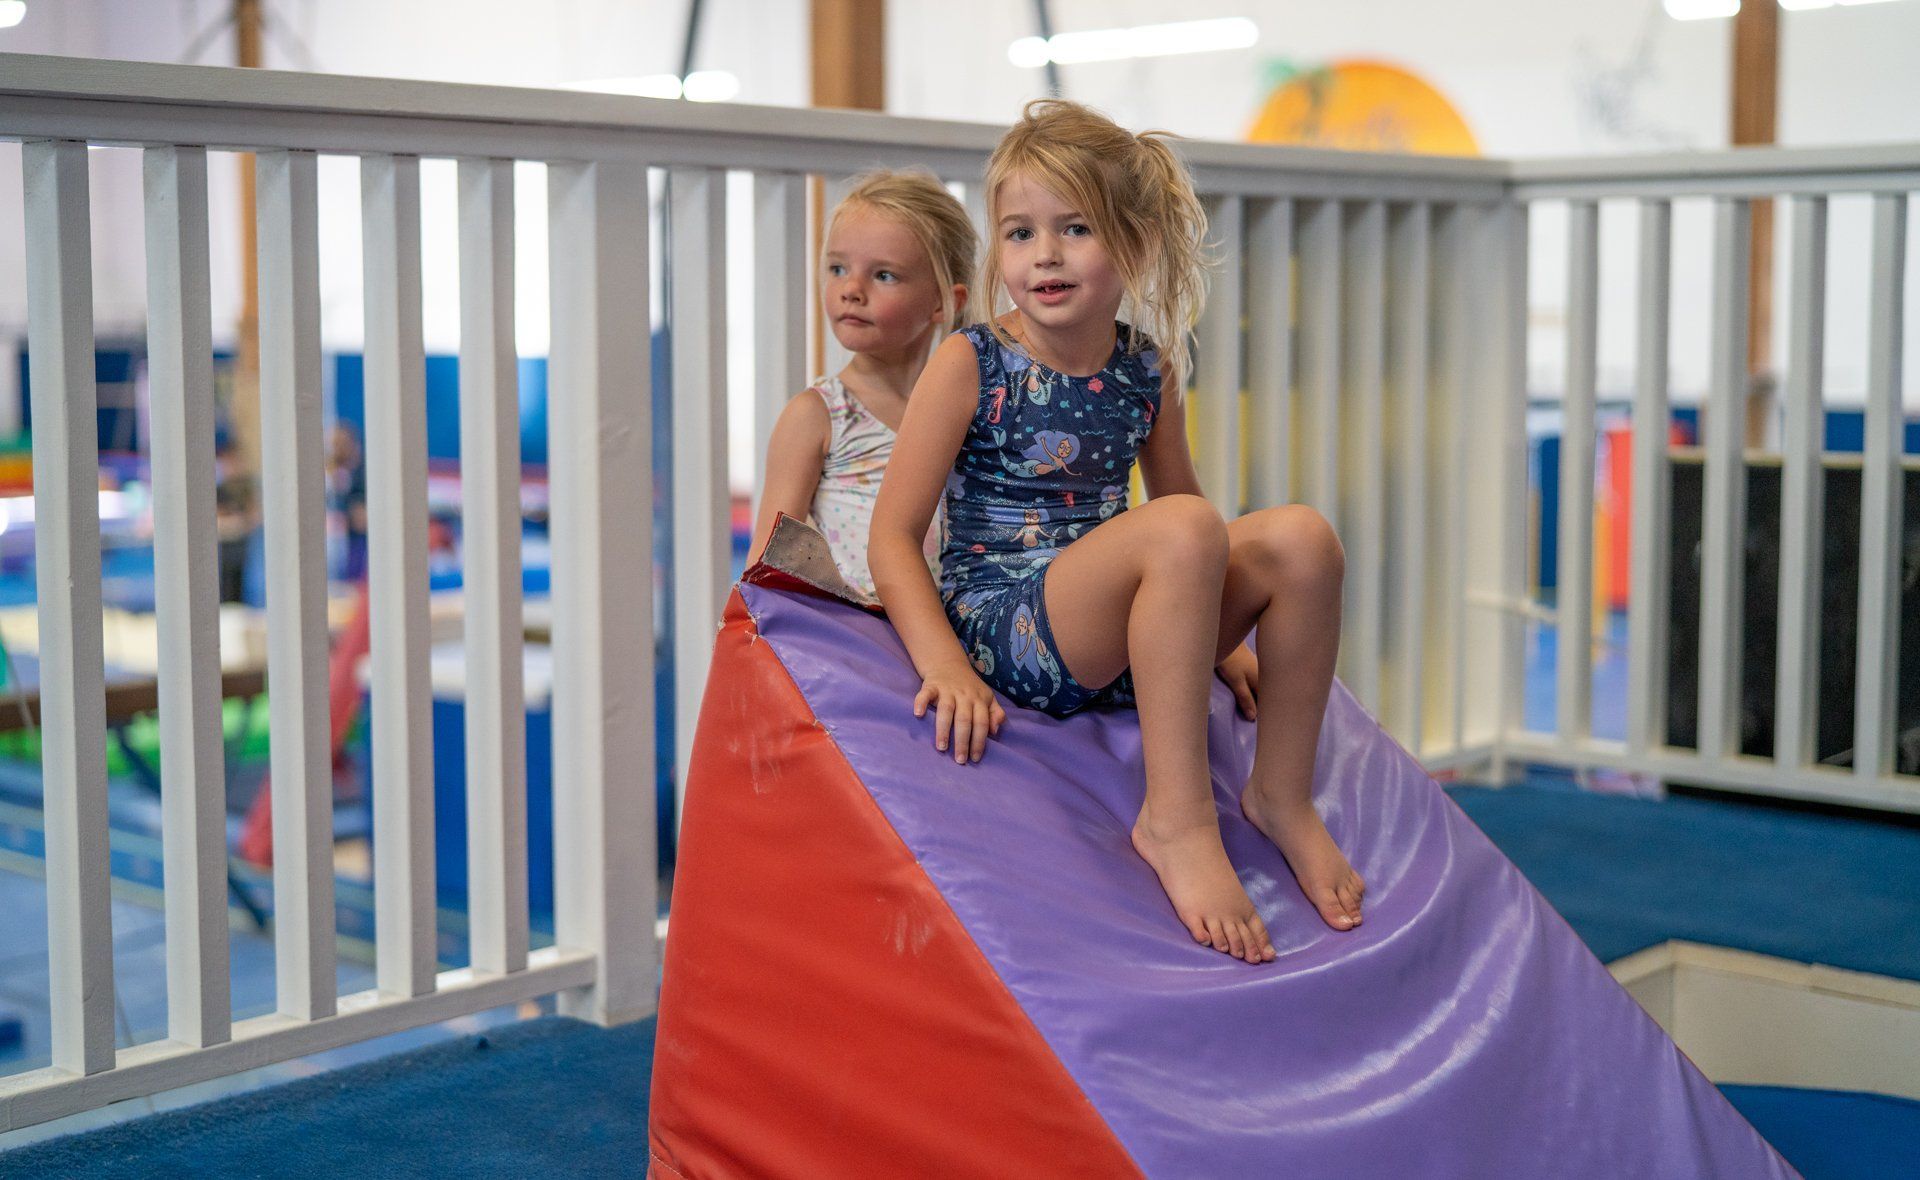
(1138, 198)
(917, 200)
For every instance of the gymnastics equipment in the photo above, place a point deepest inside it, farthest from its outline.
(882, 963)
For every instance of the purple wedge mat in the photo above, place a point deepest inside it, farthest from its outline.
(1463, 1030)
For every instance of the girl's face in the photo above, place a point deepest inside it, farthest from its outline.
(1057, 272)
(879, 291)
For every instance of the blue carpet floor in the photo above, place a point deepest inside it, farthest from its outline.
(555, 1097)
(548, 1098)
(1630, 873)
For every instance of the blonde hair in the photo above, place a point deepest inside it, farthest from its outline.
(1138, 198)
(917, 200)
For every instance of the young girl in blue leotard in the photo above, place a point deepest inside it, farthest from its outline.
(1053, 591)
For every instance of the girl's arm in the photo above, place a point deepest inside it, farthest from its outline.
(938, 413)
(1165, 462)
(795, 454)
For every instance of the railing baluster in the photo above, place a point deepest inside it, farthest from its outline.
(833, 190)
(290, 443)
(1724, 530)
(1447, 440)
(702, 515)
(496, 731)
(1492, 684)
(1269, 351)
(1364, 426)
(1574, 642)
(1217, 412)
(1802, 491)
(1406, 469)
(1317, 453)
(600, 453)
(193, 792)
(1881, 494)
(402, 694)
(1647, 597)
(66, 548)
(780, 295)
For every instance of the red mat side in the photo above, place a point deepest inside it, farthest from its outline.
(823, 1013)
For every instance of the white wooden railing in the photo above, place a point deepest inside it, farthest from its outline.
(1364, 351)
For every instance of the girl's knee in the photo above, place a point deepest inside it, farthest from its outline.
(1293, 544)
(1187, 529)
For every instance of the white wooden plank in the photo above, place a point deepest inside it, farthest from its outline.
(38, 1096)
(66, 549)
(1317, 453)
(833, 191)
(1573, 651)
(1218, 377)
(702, 504)
(600, 468)
(1448, 439)
(782, 283)
(1493, 513)
(1649, 573)
(1363, 425)
(1724, 530)
(1802, 491)
(1269, 352)
(1411, 311)
(193, 792)
(294, 518)
(1758, 776)
(1881, 492)
(496, 731)
(402, 690)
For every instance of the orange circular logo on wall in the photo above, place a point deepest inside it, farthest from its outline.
(1363, 106)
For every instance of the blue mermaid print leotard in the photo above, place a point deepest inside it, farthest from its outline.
(1047, 457)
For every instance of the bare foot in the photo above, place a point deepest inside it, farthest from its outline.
(1317, 862)
(1193, 868)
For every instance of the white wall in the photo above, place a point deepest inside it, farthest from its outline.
(1532, 77)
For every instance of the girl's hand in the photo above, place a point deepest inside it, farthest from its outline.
(1241, 672)
(964, 707)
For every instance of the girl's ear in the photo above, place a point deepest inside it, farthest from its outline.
(959, 295)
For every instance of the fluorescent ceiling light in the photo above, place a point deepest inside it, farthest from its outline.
(1805, 5)
(650, 86)
(700, 86)
(711, 86)
(1191, 36)
(1701, 9)
(12, 12)
(1851, 3)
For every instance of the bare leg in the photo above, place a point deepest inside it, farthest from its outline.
(1284, 573)
(1143, 589)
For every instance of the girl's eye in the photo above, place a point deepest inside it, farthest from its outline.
(835, 269)
(1077, 230)
(886, 276)
(1020, 234)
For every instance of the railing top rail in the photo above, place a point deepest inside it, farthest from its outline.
(1739, 171)
(143, 102)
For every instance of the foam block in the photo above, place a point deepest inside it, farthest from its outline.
(881, 963)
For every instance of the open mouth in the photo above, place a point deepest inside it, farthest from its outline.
(1055, 288)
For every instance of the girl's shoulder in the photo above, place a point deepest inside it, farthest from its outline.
(993, 356)
(828, 391)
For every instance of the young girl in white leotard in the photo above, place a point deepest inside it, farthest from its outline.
(894, 276)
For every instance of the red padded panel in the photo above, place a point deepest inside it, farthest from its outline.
(823, 1013)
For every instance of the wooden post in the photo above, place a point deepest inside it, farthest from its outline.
(245, 407)
(1756, 88)
(849, 70)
